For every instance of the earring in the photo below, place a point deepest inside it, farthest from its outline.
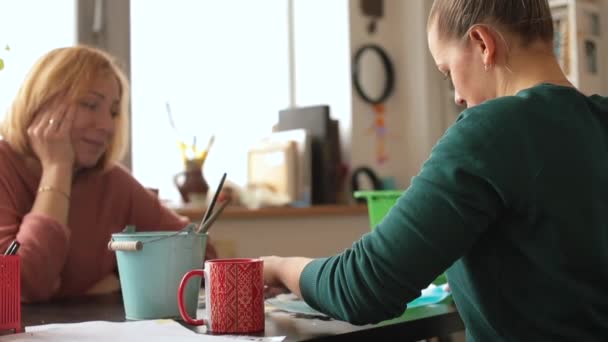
(486, 67)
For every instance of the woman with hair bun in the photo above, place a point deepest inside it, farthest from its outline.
(512, 201)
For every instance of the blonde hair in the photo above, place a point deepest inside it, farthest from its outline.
(67, 72)
(530, 20)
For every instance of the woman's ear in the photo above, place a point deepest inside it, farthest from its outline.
(483, 41)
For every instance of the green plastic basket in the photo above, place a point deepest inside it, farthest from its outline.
(379, 202)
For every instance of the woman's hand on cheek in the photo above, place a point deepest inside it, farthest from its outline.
(50, 136)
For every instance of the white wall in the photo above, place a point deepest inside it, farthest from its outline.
(414, 113)
(421, 107)
(303, 236)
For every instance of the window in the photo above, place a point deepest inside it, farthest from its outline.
(322, 59)
(223, 66)
(31, 28)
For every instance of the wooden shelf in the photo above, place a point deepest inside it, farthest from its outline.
(196, 213)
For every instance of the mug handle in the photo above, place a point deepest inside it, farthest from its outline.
(177, 176)
(180, 298)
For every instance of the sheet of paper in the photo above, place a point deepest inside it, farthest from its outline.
(256, 338)
(433, 294)
(152, 331)
(292, 304)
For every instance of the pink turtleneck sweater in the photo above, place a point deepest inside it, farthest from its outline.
(74, 256)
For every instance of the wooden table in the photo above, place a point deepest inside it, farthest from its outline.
(435, 320)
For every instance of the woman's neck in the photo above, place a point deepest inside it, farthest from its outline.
(528, 68)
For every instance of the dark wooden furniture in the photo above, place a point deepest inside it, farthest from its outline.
(438, 320)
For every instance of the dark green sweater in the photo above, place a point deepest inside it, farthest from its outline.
(513, 202)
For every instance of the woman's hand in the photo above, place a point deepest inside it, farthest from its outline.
(272, 268)
(272, 283)
(50, 136)
(283, 274)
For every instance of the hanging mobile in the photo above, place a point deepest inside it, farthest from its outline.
(373, 79)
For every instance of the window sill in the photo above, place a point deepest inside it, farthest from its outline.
(196, 213)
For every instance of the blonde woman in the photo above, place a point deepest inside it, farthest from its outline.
(62, 191)
(513, 200)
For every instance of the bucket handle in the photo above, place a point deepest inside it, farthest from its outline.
(127, 246)
(189, 228)
(132, 246)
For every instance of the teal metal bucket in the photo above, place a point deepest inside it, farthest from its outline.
(150, 275)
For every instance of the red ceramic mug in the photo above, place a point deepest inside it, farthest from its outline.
(234, 290)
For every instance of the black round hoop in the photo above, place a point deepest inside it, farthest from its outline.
(388, 69)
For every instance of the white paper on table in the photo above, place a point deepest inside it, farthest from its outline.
(150, 330)
(256, 338)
